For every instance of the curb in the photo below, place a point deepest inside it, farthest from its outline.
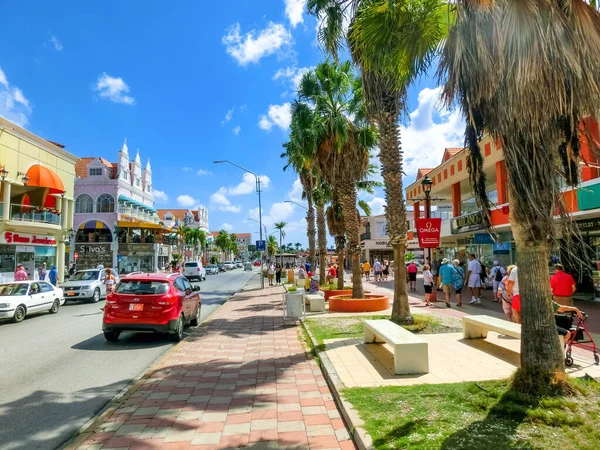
(124, 394)
(351, 418)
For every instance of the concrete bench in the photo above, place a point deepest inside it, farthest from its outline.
(316, 301)
(477, 327)
(411, 354)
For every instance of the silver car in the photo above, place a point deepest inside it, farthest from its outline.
(87, 285)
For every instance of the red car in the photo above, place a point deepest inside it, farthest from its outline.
(161, 303)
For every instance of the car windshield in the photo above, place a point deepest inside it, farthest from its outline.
(211, 266)
(191, 264)
(85, 275)
(8, 290)
(142, 287)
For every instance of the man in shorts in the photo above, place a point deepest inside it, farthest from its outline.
(367, 270)
(474, 280)
(377, 268)
(447, 271)
(566, 334)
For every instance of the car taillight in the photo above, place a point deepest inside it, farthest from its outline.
(111, 299)
(166, 300)
(198, 269)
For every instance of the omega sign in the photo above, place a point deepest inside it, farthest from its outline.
(8, 237)
(429, 232)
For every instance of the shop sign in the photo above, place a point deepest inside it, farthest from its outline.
(429, 231)
(25, 249)
(136, 249)
(469, 222)
(589, 225)
(92, 248)
(502, 248)
(378, 244)
(483, 238)
(9, 237)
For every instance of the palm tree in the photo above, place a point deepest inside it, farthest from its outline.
(233, 247)
(183, 234)
(298, 246)
(530, 85)
(271, 246)
(333, 96)
(223, 241)
(320, 195)
(391, 42)
(280, 226)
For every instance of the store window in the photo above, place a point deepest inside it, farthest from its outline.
(128, 264)
(95, 172)
(468, 206)
(7, 259)
(105, 204)
(84, 204)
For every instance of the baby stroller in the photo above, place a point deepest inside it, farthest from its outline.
(580, 336)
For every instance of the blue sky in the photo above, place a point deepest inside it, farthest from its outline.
(186, 85)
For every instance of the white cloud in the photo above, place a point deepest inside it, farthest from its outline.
(187, 169)
(248, 185)
(296, 193)
(253, 46)
(202, 172)
(292, 76)
(294, 10)
(13, 104)
(186, 200)
(280, 115)
(237, 130)
(55, 43)
(377, 205)
(113, 89)
(222, 202)
(226, 226)
(296, 225)
(228, 116)
(231, 208)
(278, 212)
(160, 196)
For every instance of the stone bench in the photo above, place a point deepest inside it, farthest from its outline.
(316, 301)
(477, 327)
(411, 354)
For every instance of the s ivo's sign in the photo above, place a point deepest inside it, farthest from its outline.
(93, 249)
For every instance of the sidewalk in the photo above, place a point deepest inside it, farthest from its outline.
(241, 379)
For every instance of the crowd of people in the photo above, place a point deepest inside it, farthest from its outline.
(381, 270)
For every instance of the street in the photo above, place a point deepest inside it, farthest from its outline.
(57, 371)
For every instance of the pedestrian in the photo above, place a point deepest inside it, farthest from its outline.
(447, 272)
(53, 276)
(427, 284)
(72, 269)
(109, 281)
(385, 269)
(377, 269)
(271, 273)
(278, 273)
(367, 270)
(483, 275)
(512, 289)
(301, 273)
(474, 280)
(563, 286)
(307, 266)
(458, 281)
(497, 274)
(20, 274)
(42, 272)
(557, 308)
(412, 270)
(435, 268)
(503, 295)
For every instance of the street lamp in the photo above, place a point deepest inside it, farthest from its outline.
(298, 204)
(427, 184)
(220, 161)
(254, 220)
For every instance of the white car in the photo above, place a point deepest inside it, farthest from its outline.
(212, 269)
(229, 265)
(87, 285)
(194, 270)
(20, 298)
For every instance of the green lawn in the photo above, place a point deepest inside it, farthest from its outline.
(352, 326)
(477, 416)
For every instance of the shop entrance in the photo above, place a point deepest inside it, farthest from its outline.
(25, 255)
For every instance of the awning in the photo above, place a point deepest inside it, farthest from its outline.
(125, 199)
(124, 224)
(41, 176)
(93, 225)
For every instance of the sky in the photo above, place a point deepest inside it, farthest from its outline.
(187, 85)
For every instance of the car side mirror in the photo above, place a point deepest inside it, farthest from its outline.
(196, 288)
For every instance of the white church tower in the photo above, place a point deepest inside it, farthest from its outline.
(147, 178)
(124, 163)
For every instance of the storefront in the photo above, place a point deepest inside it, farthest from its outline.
(135, 258)
(90, 256)
(164, 255)
(27, 249)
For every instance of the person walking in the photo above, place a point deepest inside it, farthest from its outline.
(474, 280)
(458, 281)
(484, 276)
(109, 281)
(377, 269)
(427, 284)
(42, 272)
(503, 295)
(53, 276)
(512, 289)
(278, 274)
(367, 270)
(385, 269)
(497, 274)
(20, 274)
(412, 270)
(271, 273)
(447, 272)
(563, 286)
(72, 269)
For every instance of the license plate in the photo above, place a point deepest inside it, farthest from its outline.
(71, 293)
(136, 307)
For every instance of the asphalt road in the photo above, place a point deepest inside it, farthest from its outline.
(57, 371)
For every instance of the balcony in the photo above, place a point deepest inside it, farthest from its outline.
(37, 214)
(365, 236)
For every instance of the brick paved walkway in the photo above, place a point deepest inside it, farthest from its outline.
(241, 380)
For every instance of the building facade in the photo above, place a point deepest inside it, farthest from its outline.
(464, 227)
(193, 218)
(115, 220)
(36, 209)
(375, 242)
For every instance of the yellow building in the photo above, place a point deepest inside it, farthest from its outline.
(36, 201)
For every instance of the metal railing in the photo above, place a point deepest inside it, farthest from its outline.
(29, 213)
(365, 236)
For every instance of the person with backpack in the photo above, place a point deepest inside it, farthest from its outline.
(497, 274)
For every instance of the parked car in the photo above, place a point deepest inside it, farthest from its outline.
(221, 267)
(21, 298)
(229, 265)
(194, 270)
(239, 264)
(87, 285)
(257, 263)
(247, 266)
(212, 269)
(156, 302)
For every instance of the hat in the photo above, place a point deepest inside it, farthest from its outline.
(496, 263)
(19, 265)
(445, 261)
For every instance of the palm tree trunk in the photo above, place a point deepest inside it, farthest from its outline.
(310, 223)
(340, 244)
(322, 239)
(348, 201)
(390, 156)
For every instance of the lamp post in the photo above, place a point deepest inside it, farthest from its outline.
(262, 278)
(298, 204)
(254, 220)
(427, 184)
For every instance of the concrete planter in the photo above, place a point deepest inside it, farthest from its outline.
(371, 303)
(336, 292)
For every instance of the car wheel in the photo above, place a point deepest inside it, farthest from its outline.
(55, 306)
(96, 297)
(112, 336)
(196, 320)
(19, 314)
(177, 335)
